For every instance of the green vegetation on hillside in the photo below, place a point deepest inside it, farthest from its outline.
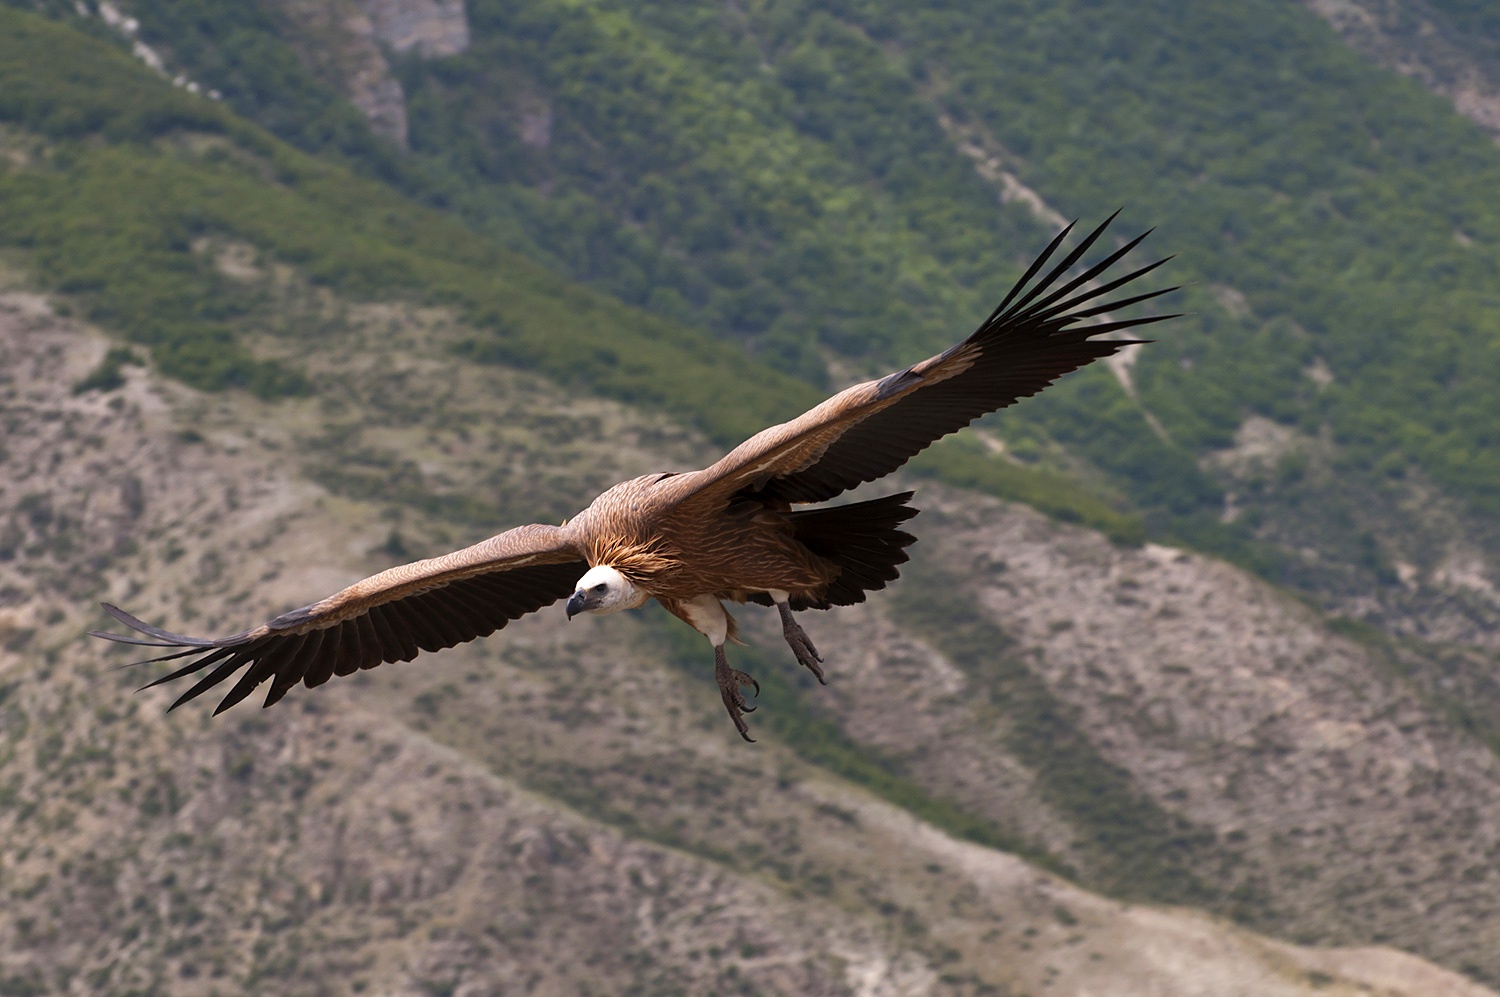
(789, 175)
(138, 170)
(113, 222)
(1352, 209)
(242, 49)
(239, 46)
(790, 155)
(1478, 21)
(682, 175)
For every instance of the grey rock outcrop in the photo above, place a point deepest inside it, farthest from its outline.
(346, 42)
(430, 28)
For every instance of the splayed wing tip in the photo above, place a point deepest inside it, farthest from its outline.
(141, 626)
(156, 660)
(128, 639)
(1031, 271)
(1068, 262)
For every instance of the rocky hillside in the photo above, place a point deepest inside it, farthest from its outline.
(564, 809)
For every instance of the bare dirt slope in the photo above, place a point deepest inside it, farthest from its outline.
(555, 810)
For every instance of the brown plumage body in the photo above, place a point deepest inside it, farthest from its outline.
(676, 552)
(691, 541)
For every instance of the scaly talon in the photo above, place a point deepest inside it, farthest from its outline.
(743, 681)
(801, 644)
(730, 682)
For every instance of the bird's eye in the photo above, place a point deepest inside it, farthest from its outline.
(600, 587)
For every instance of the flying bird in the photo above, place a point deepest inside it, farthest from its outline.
(694, 540)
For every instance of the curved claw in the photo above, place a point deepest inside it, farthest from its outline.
(746, 681)
(736, 710)
(801, 644)
(807, 657)
(730, 681)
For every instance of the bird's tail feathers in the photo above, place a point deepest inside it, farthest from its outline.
(862, 538)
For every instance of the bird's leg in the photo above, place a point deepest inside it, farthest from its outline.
(801, 644)
(730, 682)
(705, 614)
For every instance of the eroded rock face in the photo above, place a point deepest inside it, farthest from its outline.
(345, 43)
(1411, 38)
(338, 41)
(430, 28)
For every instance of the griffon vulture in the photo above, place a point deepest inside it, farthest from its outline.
(693, 540)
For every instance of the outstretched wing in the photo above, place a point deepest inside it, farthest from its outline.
(422, 606)
(868, 431)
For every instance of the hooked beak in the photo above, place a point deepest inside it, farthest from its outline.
(576, 604)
